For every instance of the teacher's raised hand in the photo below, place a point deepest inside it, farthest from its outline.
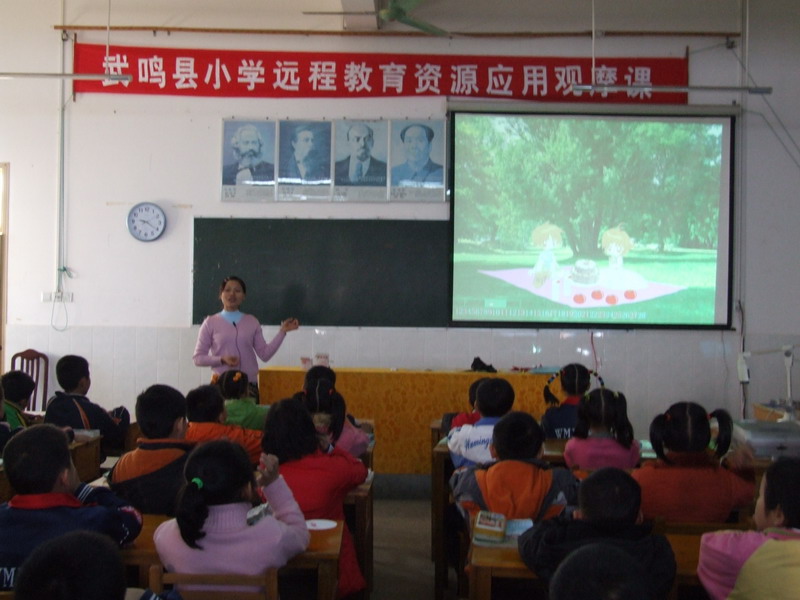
(289, 324)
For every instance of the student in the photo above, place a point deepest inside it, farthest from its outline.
(241, 408)
(71, 408)
(6, 431)
(764, 563)
(603, 433)
(609, 502)
(221, 525)
(688, 482)
(51, 500)
(559, 420)
(469, 444)
(17, 389)
(320, 479)
(329, 411)
(599, 572)
(205, 409)
(473, 416)
(519, 485)
(151, 475)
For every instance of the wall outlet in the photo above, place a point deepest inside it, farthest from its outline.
(56, 296)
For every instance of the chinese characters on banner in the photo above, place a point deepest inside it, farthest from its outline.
(251, 73)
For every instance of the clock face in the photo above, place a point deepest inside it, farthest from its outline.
(147, 221)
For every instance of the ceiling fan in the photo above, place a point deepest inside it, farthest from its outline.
(396, 10)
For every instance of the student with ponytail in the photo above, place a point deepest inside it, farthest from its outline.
(221, 525)
(559, 420)
(329, 411)
(603, 433)
(691, 481)
(240, 407)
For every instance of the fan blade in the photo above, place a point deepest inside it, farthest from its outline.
(422, 26)
(340, 12)
(406, 5)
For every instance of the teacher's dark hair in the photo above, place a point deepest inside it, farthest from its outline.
(238, 280)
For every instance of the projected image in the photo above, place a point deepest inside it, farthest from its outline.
(591, 220)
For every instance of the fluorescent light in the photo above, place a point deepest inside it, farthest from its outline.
(73, 76)
(586, 87)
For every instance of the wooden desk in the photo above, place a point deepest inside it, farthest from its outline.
(358, 506)
(85, 456)
(402, 404)
(488, 562)
(322, 555)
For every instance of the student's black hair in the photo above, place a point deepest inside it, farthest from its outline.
(604, 408)
(494, 397)
(234, 384)
(685, 428)
(600, 571)
(83, 565)
(517, 436)
(289, 432)
(575, 381)
(216, 472)
(320, 397)
(782, 488)
(157, 409)
(70, 369)
(238, 280)
(204, 404)
(473, 390)
(35, 457)
(610, 496)
(17, 387)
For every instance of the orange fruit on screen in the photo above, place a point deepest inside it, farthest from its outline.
(612, 299)
(579, 298)
(630, 294)
(597, 294)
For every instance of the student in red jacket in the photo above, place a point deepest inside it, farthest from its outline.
(319, 475)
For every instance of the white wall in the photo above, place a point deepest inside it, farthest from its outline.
(132, 312)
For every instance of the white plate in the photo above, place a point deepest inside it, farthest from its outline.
(320, 524)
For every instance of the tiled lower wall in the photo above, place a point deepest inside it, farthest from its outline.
(653, 368)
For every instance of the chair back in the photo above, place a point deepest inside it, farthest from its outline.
(37, 365)
(267, 584)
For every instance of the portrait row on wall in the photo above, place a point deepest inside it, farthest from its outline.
(340, 161)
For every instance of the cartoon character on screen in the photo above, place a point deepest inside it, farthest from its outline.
(548, 237)
(616, 243)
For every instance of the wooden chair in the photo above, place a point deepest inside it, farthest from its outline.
(266, 582)
(37, 365)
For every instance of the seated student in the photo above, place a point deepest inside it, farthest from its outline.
(519, 485)
(603, 433)
(51, 500)
(688, 482)
(80, 565)
(473, 416)
(6, 432)
(205, 409)
(329, 411)
(469, 444)
(599, 572)
(609, 502)
(151, 475)
(17, 389)
(240, 407)
(764, 563)
(320, 479)
(221, 525)
(71, 408)
(559, 420)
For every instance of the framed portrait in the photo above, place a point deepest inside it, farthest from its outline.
(417, 160)
(248, 161)
(304, 160)
(360, 170)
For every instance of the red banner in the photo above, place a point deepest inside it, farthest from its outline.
(251, 73)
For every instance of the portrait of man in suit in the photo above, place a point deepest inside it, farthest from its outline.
(418, 170)
(305, 159)
(360, 167)
(248, 150)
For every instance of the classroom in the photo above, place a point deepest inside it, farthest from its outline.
(73, 166)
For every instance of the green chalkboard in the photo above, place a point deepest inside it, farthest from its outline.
(369, 273)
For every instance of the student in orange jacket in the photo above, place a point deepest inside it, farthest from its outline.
(205, 409)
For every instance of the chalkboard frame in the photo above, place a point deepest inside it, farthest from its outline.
(331, 272)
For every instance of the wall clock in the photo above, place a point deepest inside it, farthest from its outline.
(147, 221)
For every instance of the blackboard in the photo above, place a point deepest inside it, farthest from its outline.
(370, 273)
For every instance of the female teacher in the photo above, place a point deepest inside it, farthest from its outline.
(232, 339)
